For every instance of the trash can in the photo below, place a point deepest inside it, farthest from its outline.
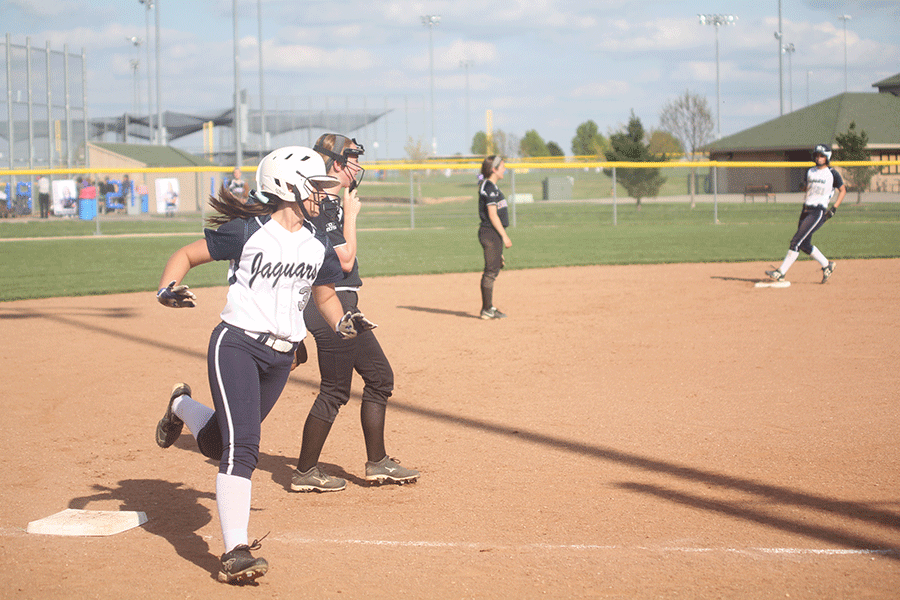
(87, 209)
(132, 204)
(558, 188)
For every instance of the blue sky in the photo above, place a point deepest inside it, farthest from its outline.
(547, 65)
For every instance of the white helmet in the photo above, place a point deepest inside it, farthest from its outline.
(293, 172)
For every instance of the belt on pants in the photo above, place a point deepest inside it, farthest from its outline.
(276, 344)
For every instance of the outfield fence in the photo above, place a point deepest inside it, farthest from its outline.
(407, 194)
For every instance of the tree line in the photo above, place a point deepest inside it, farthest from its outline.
(685, 125)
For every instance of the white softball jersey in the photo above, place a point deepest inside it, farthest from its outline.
(820, 186)
(271, 274)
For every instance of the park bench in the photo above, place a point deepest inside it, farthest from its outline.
(751, 191)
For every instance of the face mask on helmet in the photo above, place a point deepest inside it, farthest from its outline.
(293, 174)
(341, 152)
(317, 188)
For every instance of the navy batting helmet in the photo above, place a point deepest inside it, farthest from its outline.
(824, 150)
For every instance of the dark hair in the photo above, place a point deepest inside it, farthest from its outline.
(231, 207)
(490, 163)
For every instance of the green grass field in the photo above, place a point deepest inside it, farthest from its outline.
(69, 259)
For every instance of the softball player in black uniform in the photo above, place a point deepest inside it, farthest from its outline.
(338, 357)
(494, 215)
(278, 261)
(820, 182)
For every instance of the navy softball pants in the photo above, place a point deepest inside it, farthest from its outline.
(246, 378)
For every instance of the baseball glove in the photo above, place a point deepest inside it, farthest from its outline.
(176, 296)
(353, 323)
(300, 356)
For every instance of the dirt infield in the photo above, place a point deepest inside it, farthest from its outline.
(629, 432)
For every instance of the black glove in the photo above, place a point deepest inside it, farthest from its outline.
(300, 355)
(176, 296)
(830, 212)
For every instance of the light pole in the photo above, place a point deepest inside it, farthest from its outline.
(150, 133)
(716, 21)
(161, 128)
(134, 76)
(262, 89)
(778, 36)
(789, 50)
(845, 18)
(430, 21)
(466, 64)
(136, 42)
(236, 120)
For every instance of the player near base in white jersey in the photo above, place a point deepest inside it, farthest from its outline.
(820, 183)
(279, 262)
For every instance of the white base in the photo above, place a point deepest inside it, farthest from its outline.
(87, 522)
(772, 284)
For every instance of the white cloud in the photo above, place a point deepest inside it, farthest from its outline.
(47, 8)
(306, 58)
(601, 89)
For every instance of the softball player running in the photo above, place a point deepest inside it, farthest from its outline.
(339, 357)
(494, 214)
(278, 261)
(820, 182)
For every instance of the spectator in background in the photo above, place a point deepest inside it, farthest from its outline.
(238, 187)
(126, 190)
(86, 189)
(44, 195)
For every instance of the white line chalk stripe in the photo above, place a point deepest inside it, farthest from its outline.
(290, 539)
(676, 549)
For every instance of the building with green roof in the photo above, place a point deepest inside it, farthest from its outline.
(791, 138)
(114, 160)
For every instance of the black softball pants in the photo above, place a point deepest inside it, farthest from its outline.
(492, 244)
(338, 358)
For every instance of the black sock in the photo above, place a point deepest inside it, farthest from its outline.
(315, 432)
(371, 415)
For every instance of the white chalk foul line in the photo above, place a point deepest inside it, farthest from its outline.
(594, 547)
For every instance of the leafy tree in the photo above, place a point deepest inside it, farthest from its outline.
(554, 149)
(663, 142)
(418, 152)
(853, 147)
(479, 143)
(533, 145)
(689, 119)
(416, 149)
(629, 146)
(499, 143)
(588, 140)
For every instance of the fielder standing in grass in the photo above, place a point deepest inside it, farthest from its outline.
(279, 262)
(820, 183)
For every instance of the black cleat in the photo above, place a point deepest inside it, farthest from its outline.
(169, 427)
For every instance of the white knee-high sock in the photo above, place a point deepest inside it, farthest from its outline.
(819, 257)
(789, 259)
(194, 414)
(233, 503)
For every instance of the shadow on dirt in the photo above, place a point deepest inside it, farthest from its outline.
(441, 311)
(774, 495)
(174, 513)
